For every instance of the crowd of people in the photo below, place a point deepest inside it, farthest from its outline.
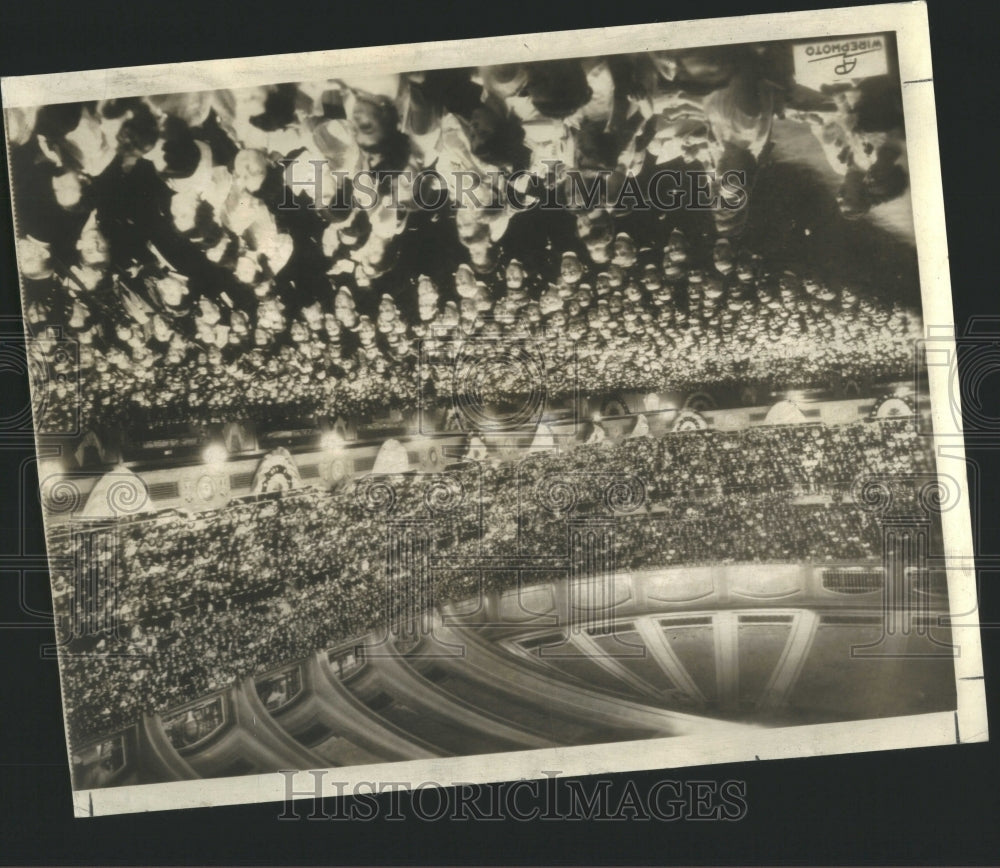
(342, 247)
(202, 601)
(201, 276)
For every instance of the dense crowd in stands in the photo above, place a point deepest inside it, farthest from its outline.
(201, 601)
(222, 255)
(196, 278)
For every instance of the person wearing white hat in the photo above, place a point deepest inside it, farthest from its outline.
(570, 269)
(344, 308)
(466, 284)
(428, 307)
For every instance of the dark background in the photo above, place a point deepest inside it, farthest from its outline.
(917, 806)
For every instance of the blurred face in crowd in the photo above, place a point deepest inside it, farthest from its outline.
(386, 308)
(93, 247)
(33, 257)
(676, 250)
(576, 329)
(313, 316)
(426, 287)
(789, 286)
(68, 189)
(331, 326)
(624, 250)
(616, 276)
(172, 291)
(208, 310)
(468, 223)
(465, 280)
(249, 170)
(138, 134)
(366, 331)
(722, 255)
(599, 250)
(162, 331)
(249, 101)
(469, 309)
(183, 210)
(428, 309)
(177, 350)
(651, 278)
(345, 311)
(481, 255)
(20, 124)
(483, 125)
(372, 122)
(570, 270)
(427, 298)
(240, 323)
(79, 316)
(550, 301)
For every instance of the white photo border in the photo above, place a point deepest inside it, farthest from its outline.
(909, 23)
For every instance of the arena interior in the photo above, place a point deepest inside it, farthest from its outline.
(341, 483)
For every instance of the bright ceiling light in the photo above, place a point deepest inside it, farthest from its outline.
(215, 453)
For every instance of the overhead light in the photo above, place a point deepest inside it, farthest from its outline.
(215, 453)
(331, 441)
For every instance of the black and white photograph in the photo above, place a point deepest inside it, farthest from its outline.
(470, 410)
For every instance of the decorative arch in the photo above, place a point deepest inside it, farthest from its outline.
(237, 438)
(276, 472)
(641, 428)
(689, 420)
(119, 493)
(92, 450)
(340, 427)
(392, 457)
(616, 405)
(544, 439)
(749, 395)
(893, 407)
(700, 402)
(785, 413)
(477, 449)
